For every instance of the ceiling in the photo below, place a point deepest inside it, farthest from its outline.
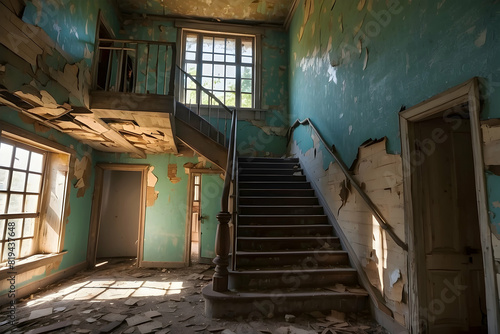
(246, 11)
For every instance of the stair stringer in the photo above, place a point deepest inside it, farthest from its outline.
(380, 311)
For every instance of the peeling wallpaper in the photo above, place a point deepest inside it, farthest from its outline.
(71, 23)
(386, 54)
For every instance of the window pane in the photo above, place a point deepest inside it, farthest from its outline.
(191, 96)
(191, 69)
(246, 72)
(190, 84)
(5, 154)
(26, 246)
(246, 60)
(21, 158)
(15, 203)
(230, 59)
(196, 179)
(207, 82)
(207, 69)
(218, 57)
(190, 56)
(246, 100)
(219, 45)
(14, 228)
(207, 57)
(205, 97)
(231, 71)
(231, 46)
(230, 85)
(34, 182)
(18, 181)
(31, 204)
(196, 193)
(2, 229)
(29, 227)
(3, 202)
(13, 250)
(230, 99)
(218, 70)
(219, 95)
(4, 178)
(246, 86)
(36, 162)
(219, 84)
(247, 47)
(191, 41)
(208, 44)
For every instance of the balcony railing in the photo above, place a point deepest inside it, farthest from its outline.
(135, 66)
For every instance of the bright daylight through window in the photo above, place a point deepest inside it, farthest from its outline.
(223, 64)
(21, 175)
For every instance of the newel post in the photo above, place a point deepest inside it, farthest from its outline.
(222, 244)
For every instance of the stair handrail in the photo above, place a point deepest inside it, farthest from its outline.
(371, 206)
(206, 91)
(211, 96)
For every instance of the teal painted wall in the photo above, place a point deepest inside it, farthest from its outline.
(165, 224)
(77, 224)
(416, 49)
(72, 23)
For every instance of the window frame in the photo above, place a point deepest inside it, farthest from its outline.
(54, 152)
(7, 217)
(229, 32)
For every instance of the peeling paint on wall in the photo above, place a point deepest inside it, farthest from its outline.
(380, 175)
(82, 172)
(151, 192)
(172, 173)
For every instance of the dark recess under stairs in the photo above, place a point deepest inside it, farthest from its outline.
(287, 256)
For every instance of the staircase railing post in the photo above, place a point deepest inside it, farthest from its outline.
(222, 245)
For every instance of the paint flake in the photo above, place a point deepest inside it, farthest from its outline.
(481, 39)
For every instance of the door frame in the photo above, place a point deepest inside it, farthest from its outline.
(189, 209)
(467, 92)
(96, 208)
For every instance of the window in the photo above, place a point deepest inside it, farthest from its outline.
(33, 192)
(21, 175)
(223, 64)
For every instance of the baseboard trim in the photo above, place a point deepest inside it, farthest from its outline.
(34, 286)
(391, 325)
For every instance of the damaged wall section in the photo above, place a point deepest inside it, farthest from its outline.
(380, 175)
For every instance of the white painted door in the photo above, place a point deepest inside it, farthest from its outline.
(450, 269)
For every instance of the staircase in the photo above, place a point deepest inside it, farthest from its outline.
(287, 258)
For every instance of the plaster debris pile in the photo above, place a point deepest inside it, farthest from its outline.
(118, 297)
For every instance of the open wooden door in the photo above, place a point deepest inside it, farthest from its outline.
(451, 276)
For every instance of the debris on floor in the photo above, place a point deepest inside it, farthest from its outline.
(120, 298)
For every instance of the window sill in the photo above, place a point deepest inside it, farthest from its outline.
(30, 263)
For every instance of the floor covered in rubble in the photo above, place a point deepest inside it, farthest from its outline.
(118, 297)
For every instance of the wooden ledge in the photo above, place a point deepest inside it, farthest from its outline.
(30, 263)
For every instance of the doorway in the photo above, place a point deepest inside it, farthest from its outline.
(118, 212)
(445, 207)
(205, 188)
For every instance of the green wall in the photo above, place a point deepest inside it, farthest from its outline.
(77, 224)
(413, 50)
(165, 224)
(211, 192)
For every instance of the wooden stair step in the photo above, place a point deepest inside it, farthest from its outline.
(282, 219)
(255, 200)
(276, 192)
(271, 178)
(281, 209)
(273, 258)
(274, 185)
(272, 171)
(282, 243)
